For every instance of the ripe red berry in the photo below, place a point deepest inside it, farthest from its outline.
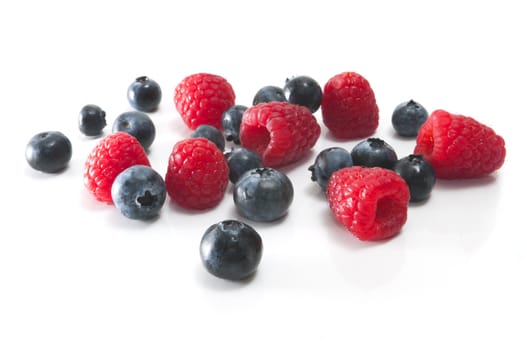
(197, 174)
(202, 98)
(349, 108)
(371, 203)
(279, 132)
(113, 154)
(459, 147)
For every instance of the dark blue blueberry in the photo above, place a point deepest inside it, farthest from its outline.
(418, 174)
(327, 162)
(241, 160)
(210, 133)
(408, 117)
(231, 121)
(139, 192)
(144, 94)
(304, 91)
(263, 194)
(374, 152)
(269, 94)
(137, 124)
(231, 250)
(49, 151)
(92, 120)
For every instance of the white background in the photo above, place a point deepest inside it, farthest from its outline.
(76, 274)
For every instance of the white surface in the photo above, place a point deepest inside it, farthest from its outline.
(75, 274)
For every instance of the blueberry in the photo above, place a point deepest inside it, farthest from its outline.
(49, 151)
(268, 94)
(304, 91)
(92, 120)
(210, 133)
(231, 250)
(231, 121)
(144, 94)
(137, 124)
(139, 192)
(418, 174)
(408, 117)
(241, 160)
(374, 152)
(263, 194)
(327, 162)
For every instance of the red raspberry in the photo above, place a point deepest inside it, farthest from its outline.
(349, 109)
(197, 174)
(113, 154)
(202, 98)
(459, 147)
(280, 132)
(371, 203)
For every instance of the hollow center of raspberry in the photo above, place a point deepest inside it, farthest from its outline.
(388, 214)
(259, 139)
(146, 200)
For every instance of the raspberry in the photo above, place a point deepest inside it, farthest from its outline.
(459, 147)
(349, 109)
(202, 98)
(113, 154)
(279, 132)
(197, 174)
(371, 203)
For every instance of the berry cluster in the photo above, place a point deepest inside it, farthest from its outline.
(368, 188)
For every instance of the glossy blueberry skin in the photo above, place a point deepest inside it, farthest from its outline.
(408, 117)
(327, 162)
(92, 120)
(139, 192)
(231, 250)
(210, 133)
(418, 174)
(304, 91)
(374, 152)
(231, 121)
(241, 160)
(144, 94)
(268, 94)
(49, 152)
(137, 124)
(263, 194)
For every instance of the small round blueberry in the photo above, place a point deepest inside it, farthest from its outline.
(92, 120)
(231, 120)
(231, 250)
(210, 133)
(374, 152)
(144, 94)
(418, 174)
(49, 152)
(139, 192)
(269, 94)
(408, 117)
(241, 160)
(327, 162)
(137, 124)
(304, 91)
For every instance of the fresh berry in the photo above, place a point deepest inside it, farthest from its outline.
(349, 108)
(263, 194)
(371, 203)
(210, 133)
(280, 132)
(327, 162)
(113, 154)
(202, 98)
(269, 94)
(459, 147)
(408, 117)
(231, 120)
(139, 192)
(374, 152)
(197, 174)
(49, 151)
(144, 94)
(92, 120)
(231, 250)
(241, 160)
(304, 91)
(418, 174)
(137, 124)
